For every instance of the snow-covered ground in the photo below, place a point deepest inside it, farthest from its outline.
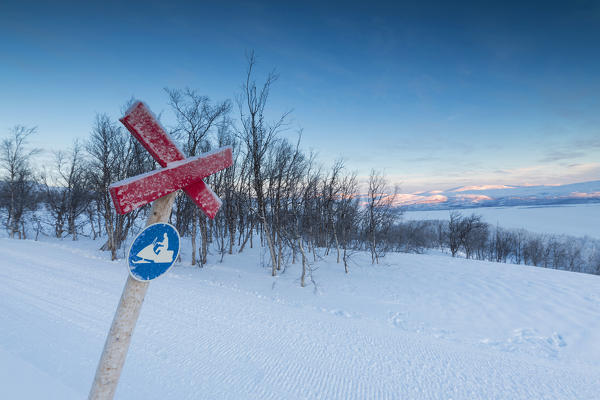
(575, 220)
(418, 327)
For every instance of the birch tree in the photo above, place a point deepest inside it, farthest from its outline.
(258, 135)
(18, 192)
(196, 117)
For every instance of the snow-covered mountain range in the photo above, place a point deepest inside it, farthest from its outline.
(500, 195)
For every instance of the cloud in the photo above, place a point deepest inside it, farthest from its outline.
(588, 143)
(482, 187)
(561, 155)
(572, 148)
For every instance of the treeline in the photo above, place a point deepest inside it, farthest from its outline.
(275, 192)
(470, 237)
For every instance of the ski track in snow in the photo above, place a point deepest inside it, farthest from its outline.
(418, 327)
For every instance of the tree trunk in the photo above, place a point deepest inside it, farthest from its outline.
(231, 237)
(280, 252)
(204, 248)
(271, 248)
(303, 262)
(251, 236)
(345, 259)
(248, 236)
(91, 218)
(110, 237)
(337, 243)
(194, 232)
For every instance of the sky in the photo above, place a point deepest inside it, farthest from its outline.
(433, 94)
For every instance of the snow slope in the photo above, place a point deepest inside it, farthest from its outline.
(418, 327)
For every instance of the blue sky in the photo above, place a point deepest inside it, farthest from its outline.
(435, 94)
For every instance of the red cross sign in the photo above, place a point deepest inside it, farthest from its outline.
(177, 173)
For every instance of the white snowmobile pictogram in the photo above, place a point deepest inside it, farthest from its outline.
(157, 252)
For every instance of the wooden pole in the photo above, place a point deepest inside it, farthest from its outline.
(128, 311)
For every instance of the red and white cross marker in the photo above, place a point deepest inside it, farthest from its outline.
(135, 192)
(187, 175)
(158, 187)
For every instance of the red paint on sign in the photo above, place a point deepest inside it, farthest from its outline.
(132, 193)
(144, 126)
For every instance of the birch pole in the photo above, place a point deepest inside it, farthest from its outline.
(118, 339)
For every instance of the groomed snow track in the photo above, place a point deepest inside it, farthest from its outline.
(231, 332)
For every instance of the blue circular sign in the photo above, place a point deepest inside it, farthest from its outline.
(153, 251)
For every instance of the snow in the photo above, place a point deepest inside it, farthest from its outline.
(418, 327)
(575, 220)
(28, 382)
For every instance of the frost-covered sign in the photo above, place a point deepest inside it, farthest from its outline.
(153, 251)
(177, 172)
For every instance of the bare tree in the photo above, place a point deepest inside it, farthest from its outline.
(503, 244)
(104, 146)
(533, 252)
(331, 190)
(454, 232)
(114, 156)
(231, 198)
(379, 214)
(18, 192)
(258, 136)
(594, 260)
(196, 116)
(519, 238)
(467, 232)
(347, 216)
(67, 195)
(473, 234)
(573, 254)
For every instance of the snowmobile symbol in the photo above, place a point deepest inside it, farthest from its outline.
(153, 251)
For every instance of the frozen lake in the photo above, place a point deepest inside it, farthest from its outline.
(573, 219)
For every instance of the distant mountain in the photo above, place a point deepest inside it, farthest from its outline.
(500, 195)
